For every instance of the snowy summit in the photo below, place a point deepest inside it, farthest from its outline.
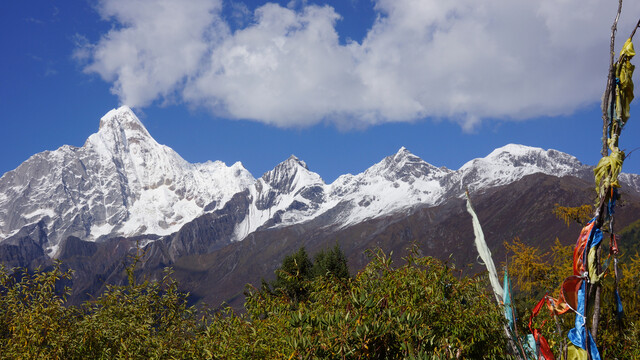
(121, 182)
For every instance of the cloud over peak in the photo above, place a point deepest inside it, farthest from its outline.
(462, 60)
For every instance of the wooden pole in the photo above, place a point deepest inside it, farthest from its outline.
(608, 101)
(611, 81)
(601, 211)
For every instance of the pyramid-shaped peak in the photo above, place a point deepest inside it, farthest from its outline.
(122, 110)
(402, 165)
(288, 168)
(402, 157)
(287, 171)
(293, 161)
(403, 152)
(120, 128)
(122, 118)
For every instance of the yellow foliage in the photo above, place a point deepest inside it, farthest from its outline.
(562, 264)
(527, 265)
(580, 214)
(630, 282)
(534, 270)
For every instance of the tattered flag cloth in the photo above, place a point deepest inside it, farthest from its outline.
(506, 301)
(607, 171)
(572, 297)
(541, 343)
(529, 346)
(619, 309)
(579, 335)
(584, 254)
(568, 299)
(484, 252)
(576, 353)
(624, 88)
(578, 251)
(573, 294)
(609, 167)
(594, 242)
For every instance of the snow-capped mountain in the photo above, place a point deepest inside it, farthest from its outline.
(121, 182)
(398, 182)
(291, 194)
(512, 162)
(288, 194)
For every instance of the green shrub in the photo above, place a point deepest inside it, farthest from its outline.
(421, 309)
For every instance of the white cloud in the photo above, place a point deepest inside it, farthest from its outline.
(287, 69)
(155, 45)
(463, 60)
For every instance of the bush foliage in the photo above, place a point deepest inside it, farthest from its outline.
(423, 308)
(292, 278)
(418, 310)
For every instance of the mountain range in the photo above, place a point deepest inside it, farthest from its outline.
(219, 227)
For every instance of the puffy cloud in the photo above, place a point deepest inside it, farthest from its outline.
(288, 69)
(463, 60)
(154, 46)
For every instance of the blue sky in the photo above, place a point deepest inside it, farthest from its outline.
(340, 84)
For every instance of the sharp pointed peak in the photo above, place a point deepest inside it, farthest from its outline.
(123, 118)
(403, 152)
(290, 172)
(403, 163)
(292, 161)
(120, 126)
(287, 166)
(122, 109)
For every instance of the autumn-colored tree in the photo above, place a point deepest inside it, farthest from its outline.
(580, 214)
(535, 273)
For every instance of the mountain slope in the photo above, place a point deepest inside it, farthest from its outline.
(522, 208)
(122, 184)
(397, 184)
(220, 227)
